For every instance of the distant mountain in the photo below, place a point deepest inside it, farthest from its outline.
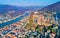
(52, 7)
(6, 8)
(33, 7)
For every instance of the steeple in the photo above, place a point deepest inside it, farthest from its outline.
(56, 19)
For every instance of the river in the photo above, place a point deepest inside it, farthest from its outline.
(14, 21)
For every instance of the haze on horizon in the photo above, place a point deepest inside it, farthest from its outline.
(28, 2)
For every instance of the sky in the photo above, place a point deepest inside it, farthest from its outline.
(28, 2)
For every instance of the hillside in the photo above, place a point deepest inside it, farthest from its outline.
(52, 7)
